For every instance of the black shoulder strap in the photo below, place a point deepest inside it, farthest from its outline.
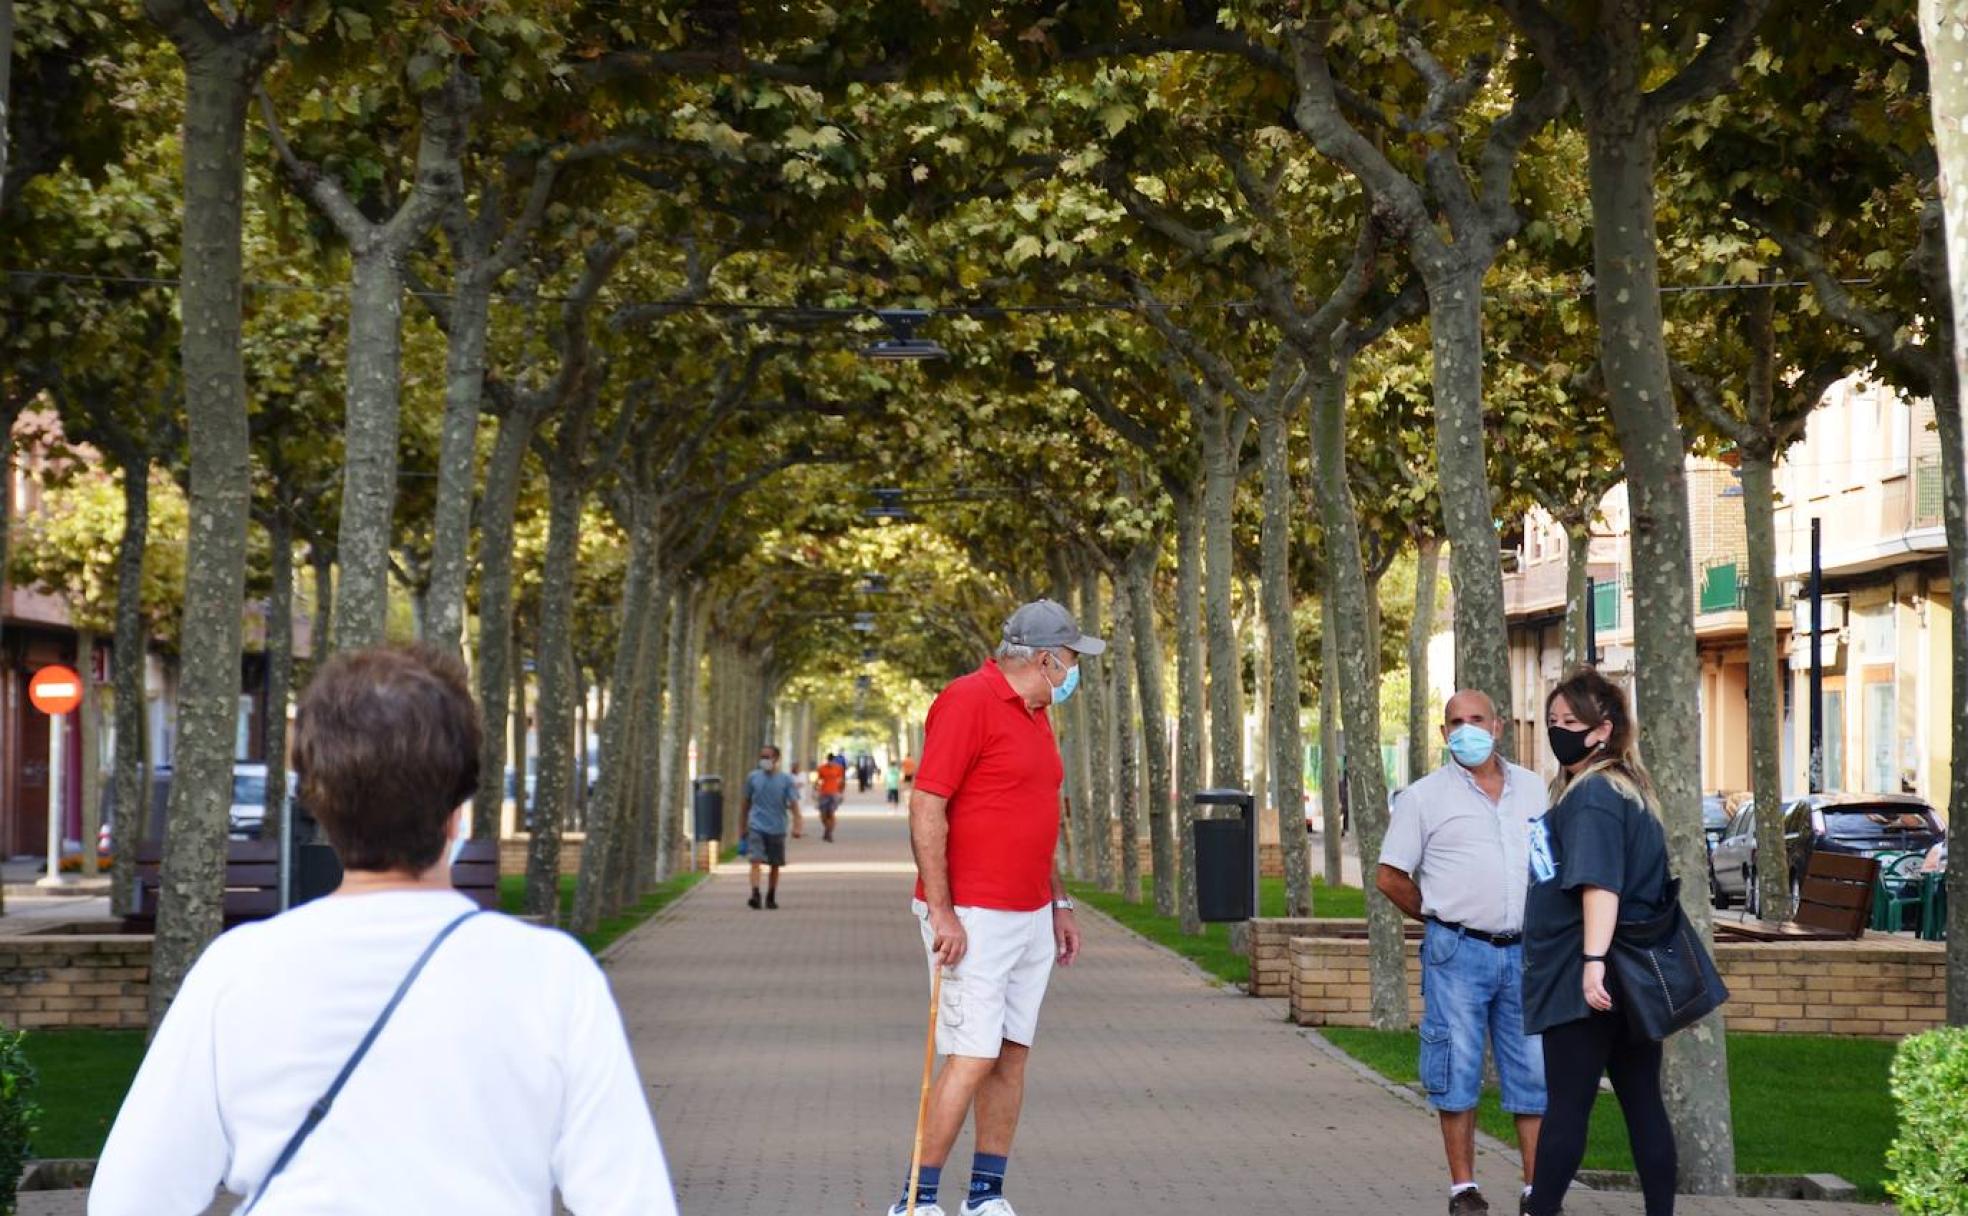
(319, 1110)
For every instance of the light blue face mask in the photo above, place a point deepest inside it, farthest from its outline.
(1064, 689)
(1471, 745)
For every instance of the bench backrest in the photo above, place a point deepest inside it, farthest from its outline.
(1835, 895)
(252, 880)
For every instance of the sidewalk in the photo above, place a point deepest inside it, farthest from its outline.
(782, 1050)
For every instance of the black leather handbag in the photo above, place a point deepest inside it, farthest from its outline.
(1662, 973)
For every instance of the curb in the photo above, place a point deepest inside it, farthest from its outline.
(655, 918)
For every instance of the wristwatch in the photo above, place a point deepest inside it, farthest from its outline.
(1063, 904)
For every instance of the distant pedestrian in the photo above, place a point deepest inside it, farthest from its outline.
(983, 820)
(892, 776)
(1598, 857)
(832, 783)
(501, 1077)
(864, 770)
(771, 802)
(1456, 857)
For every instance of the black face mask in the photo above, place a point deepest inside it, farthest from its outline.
(1569, 747)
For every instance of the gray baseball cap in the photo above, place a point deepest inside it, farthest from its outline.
(1047, 624)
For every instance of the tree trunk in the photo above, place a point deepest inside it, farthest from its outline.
(1667, 671)
(651, 669)
(1421, 740)
(1944, 27)
(280, 670)
(1099, 752)
(1578, 577)
(681, 683)
(1330, 767)
(1119, 660)
(88, 741)
(457, 459)
(555, 661)
(522, 797)
(495, 618)
(6, 92)
(221, 69)
(1455, 324)
(1259, 658)
(1226, 669)
(1765, 749)
(1286, 736)
(321, 640)
(370, 431)
(610, 818)
(1154, 721)
(1189, 702)
(1359, 687)
(126, 671)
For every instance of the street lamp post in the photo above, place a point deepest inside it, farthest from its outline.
(1816, 708)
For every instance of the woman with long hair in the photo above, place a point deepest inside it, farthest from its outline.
(1598, 857)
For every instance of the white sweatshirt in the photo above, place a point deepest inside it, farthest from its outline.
(504, 1074)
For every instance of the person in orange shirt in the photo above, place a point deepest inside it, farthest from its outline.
(832, 778)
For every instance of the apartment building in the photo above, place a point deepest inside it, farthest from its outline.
(1868, 469)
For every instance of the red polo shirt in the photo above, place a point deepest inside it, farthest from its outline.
(997, 763)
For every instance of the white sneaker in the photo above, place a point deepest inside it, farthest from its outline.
(997, 1205)
(922, 1209)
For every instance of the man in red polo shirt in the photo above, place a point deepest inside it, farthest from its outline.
(984, 819)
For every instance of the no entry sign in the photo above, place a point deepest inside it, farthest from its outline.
(55, 690)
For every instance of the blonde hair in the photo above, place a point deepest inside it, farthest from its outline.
(1595, 701)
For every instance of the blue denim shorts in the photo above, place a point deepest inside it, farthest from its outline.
(1472, 993)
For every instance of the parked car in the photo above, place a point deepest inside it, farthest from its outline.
(1860, 825)
(249, 800)
(1715, 825)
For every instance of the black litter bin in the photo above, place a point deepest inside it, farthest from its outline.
(707, 808)
(1226, 858)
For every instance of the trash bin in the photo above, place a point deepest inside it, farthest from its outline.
(1226, 858)
(707, 807)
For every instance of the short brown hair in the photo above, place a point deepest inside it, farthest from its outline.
(385, 748)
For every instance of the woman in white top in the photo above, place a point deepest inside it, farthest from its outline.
(503, 1076)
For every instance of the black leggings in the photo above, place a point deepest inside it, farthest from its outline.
(1576, 1054)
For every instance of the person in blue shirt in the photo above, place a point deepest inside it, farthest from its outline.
(771, 800)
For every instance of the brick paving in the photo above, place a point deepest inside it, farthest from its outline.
(782, 1052)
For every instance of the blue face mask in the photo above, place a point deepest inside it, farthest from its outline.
(1471, 745)
(1065, 688)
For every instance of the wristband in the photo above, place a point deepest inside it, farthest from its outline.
(1595, 958)
(1064, 905)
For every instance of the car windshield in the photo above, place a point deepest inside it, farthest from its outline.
(248, 790)
(1875, 822)
(1714, 817)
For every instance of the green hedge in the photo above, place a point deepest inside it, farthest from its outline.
(1929, 1160)
(18, 1115)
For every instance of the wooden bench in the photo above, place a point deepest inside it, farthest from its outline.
(252, 881)
(1834, 902)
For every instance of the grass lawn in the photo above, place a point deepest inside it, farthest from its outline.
(1211, 951)
(512, 899)
(83, 1077)
(85, 1073)
(1804, 1104)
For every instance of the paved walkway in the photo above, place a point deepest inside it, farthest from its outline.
(783, 1052)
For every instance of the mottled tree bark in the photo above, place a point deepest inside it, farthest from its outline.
(1097, 741)
(126, 672)
(522, 797)
(1154, 721)
(1944, 26)
(1119, 661)
(1329, 758)
(1221, 440)
(1189, 701)
(681, 681)
(555, 663)
(322, 636)
(1358, 654)
(1421, 736)
(280, 669)
(1286, 737)
(646, 753)
(222, 66)
(88, 741)
(496, 659)
(457, 455)
(1578, 550)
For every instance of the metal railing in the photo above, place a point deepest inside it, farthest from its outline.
(1721, 588)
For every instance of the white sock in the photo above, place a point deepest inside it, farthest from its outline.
(1527, 1190)
(1459, 1187)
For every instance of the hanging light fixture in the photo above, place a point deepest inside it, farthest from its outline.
(902, 345)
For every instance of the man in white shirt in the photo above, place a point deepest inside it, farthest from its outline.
(502, 1076)
(1456, 857)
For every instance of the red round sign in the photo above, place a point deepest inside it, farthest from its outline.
(55, 690)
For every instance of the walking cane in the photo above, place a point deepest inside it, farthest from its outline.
(922, 1102)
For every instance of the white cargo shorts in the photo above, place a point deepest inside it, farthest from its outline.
(993, 995)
